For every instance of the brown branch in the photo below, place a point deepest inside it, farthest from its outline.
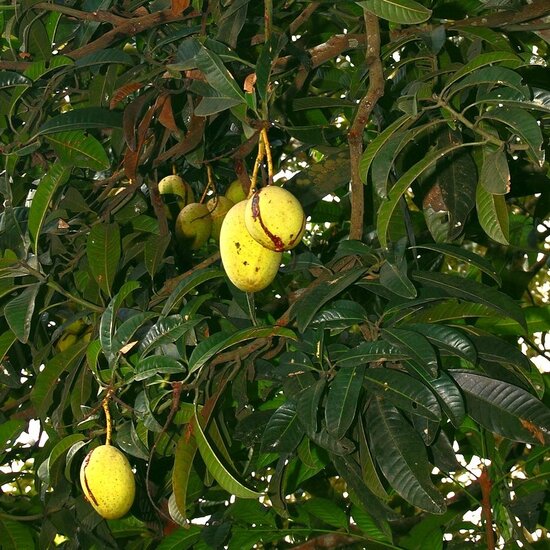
(539, 8)
(333, 47)
(303, 17)
(485, 484)
(100, 16)
(364, 111)
(130, 27)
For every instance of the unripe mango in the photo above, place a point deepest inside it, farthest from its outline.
(275, 218)
(235, 192)
(218, 207)
(193, 225)
(108, 481)
(250, 266)
(176, 194)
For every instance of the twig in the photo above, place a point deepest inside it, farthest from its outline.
(130, 27)
(303, 17)
(330, 540)
(366, 106)
(100, 16)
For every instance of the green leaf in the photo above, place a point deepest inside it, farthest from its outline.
(75, 148)
(403, 391)
(449, 339)
(187, 285)
(11, 78)
(223, 340)
(218, 76)
(219, 472)
(308, 405)
(10, 430)
(401, 456)
(393, 276)
(341, 314)
(104, 56)
(406, 12)
(380, 141)
(536, 317)
(82, 119)
(504, 409)
(495, 172)
(463, 255)
(284, 431)
(103, 251)
(155, 247)
(445, 310)
(491, 75)
(307, 307)
(15, 535)
(108, 319)
(450, 398)
(212, 105)
(165, 331)
(365, 522)
(327, 511)
(184, 456)
(367, 352)
(38, 69)
(524, 125)
(342, 399)
(415, 346)
(47, 381)
(18, 312)
(387, 207)
(182, 538)
(492, 214)
(467, 289)
(61, 448)
(157, 364)
(483, 60)
(128, 328)
(56, 176)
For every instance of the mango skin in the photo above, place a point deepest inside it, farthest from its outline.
(250, 266)
(275, 218)
(176, 193)
(108, 482)
(235, 192)
(218, 206)
(193, 225)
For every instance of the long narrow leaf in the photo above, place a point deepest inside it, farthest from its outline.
(57, 175)
(401, 456)
(219, 472)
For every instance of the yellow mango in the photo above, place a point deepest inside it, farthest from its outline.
(249, 265)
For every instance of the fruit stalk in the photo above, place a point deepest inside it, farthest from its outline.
(105, 405)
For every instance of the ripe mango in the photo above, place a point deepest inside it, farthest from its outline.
(249, 265)
(193, 225)
(275, 218)
(218, 206)
(108, 481)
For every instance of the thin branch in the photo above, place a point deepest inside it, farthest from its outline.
(130, 27)
(100, 16)
(539, 8)
(364, 111)
(303, 17)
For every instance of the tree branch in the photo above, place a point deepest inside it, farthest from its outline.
(303, 17)
(364, 111)
(485, 484)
